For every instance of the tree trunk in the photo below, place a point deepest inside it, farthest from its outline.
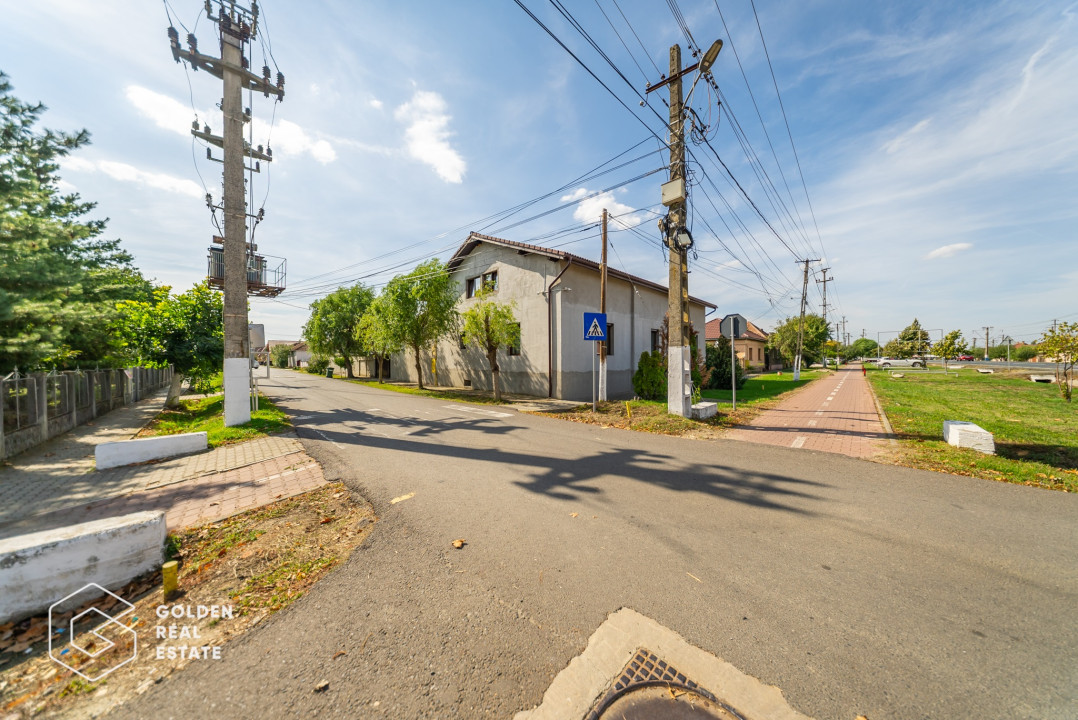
(495, 372)
(381, 368)
(172, 400)
(418, 367)
(348, 360)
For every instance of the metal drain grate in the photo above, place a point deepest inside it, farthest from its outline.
(647, 669)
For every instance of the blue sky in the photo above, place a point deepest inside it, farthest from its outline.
(938, 143)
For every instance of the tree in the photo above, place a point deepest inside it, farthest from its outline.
(280, 355)
(333, 328)
(862, 347)
(784, 339)
(185, 331)
(649, 380)
(911, 341)
(950, 347)
(717, 361)
(491, 325)
(58, 283)
(1060, 345)
(377, 333)
(421, 308)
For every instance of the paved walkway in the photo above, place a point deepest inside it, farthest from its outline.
(56, 483)
(834, 414)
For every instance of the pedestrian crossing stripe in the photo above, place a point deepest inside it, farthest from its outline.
(595, 331)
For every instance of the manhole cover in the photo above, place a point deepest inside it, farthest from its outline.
(650, 688)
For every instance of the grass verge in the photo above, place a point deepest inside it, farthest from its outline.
(475, 396)
(255, 563)
(1036, 431)
(207, 415)
(764, 392)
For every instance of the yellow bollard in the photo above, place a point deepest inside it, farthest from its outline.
(169, 579)
(628, 410)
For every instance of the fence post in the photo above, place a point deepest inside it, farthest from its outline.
(43, 405)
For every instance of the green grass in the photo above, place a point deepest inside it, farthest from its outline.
(207, 415)
(764, 387)
(1036, 431)
(481, 398)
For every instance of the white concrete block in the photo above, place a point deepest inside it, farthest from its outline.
(38, 569)
(128, 452)
(1043, 378)
(968, 435)
(704, 410)
(237, 382)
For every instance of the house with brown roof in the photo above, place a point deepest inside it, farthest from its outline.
(551, 289)
(750, 345)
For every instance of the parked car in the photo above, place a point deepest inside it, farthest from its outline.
(914, 362)
(965, 358)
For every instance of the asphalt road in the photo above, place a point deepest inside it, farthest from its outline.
(854, 587)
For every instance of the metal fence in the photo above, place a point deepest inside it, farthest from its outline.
(39, 406)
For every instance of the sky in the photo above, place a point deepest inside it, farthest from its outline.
(925, 152)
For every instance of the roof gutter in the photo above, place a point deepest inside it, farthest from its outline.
(550, 330)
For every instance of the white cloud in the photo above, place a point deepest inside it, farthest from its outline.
(427, 135)
(591, 209)
(948, 250)
(286, 137)
(129, 173)
(375, 103)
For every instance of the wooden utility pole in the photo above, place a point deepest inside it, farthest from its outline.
(602, 309)
(237, 27)
(801, 322)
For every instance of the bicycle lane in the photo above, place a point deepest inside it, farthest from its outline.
(835, 414)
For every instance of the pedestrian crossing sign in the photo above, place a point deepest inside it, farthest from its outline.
(595, 326)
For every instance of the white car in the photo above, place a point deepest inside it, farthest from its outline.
(914, 362)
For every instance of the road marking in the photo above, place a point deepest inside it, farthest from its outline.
(812, 423)
(479, 411)
(798, 441)
(402, 498)
(303, 417)
(819, 412)
(326, 438)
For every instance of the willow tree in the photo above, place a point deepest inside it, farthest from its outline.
(490, 326)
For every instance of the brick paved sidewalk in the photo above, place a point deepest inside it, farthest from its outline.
(197, 500)
(834, 414)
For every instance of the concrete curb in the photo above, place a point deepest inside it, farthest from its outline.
(129, 452)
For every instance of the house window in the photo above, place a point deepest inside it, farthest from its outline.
(609, 339)
(460, 342)
(515, 349)
(656, 341)
(477, 283)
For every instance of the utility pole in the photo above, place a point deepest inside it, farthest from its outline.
(801, 322)
(602, 309)
(825, 281)
(986, 331)
(845, 336)
(237, 27)
(676, 235)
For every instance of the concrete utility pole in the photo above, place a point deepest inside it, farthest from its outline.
(676, 235)
(825, 280)
(801, 322)
(986, 329)
(602, 309)
(237, 27)
(845, 336)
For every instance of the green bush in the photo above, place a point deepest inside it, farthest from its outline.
(279, 355)
(649, 381)
(717, 360)
(318, 364)
(1024, 353)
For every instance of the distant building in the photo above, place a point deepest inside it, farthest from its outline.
(552, 289)
(750, 345)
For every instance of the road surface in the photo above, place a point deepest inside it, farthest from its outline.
(855, 588)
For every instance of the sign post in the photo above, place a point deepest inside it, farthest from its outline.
(595, 331)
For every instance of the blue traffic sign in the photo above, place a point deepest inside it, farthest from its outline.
(595, 326)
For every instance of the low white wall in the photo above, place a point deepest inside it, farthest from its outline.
(128, 452)
(968, 435)
(38, 569)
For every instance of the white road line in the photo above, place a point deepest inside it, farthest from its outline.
(819, 412)
(812, 423)
(798, 441)
(326, 438)
(479, 411)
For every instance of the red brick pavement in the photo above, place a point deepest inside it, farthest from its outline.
(834, 414)
(207, 498)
